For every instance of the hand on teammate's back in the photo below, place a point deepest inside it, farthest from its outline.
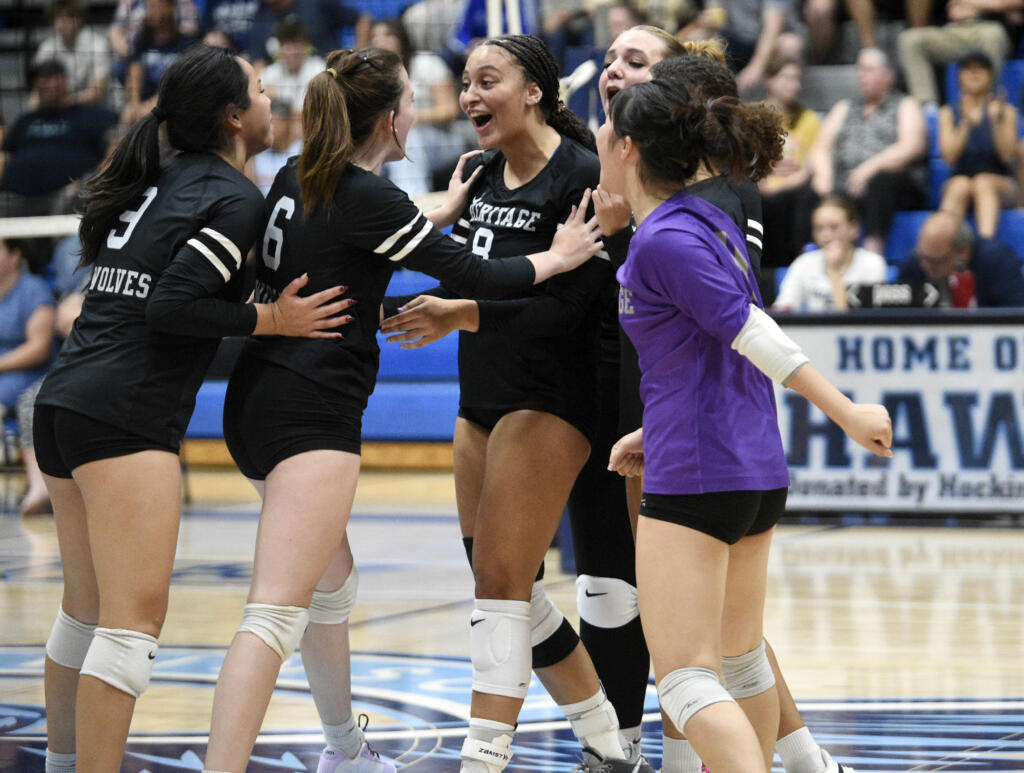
(311, 316)
(579, 239)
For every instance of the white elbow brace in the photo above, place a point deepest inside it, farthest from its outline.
(773, 352)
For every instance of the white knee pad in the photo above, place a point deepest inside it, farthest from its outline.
(279, 627)
(499, 646)
(686, 691)
(121, 658)
(69, 641)
(606, 602)
(748, 674)
(334, 607)
(545, 617)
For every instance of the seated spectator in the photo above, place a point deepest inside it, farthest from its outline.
(978, 139)
(992, 26)
(324, 19)
(872, 149)
(433, 147)
(754, 31)
(822, 17)
(287, 143)
(48, 149)
(431, 23)
(294, 68)
(130, 17)
(26, 324)
(219, 39)
(231, 18)
(83, 52)
(947, 251)
(819, 280)
(157, 46)
(786, 195)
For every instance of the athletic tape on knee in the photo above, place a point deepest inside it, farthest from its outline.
(279, 627)
(748, 674)
(334, 607)
(763, 342)
(686, 691)
(499, 646)
(606, 602)
(69, 641)
(121, 658)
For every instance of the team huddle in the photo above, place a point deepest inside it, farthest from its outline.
(614, 355)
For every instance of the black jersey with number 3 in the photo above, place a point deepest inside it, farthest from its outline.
(538, 353)
(369, 229)
(164, 288)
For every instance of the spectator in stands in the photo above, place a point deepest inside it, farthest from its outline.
(754, 30)
(433, 146)
(324, 19)
(130, 17)
(26, 324)
(83, 51)
(219, 39)
(872, 149)
(822, 18)
(231, 18)
(295, 67)
(819, 280)
(624, 15)
(978, 139)
(787, 198)
(36, 499)
(48, 149)
(157, 46)
(287, 143)
(947, 251)
(431, 23)
(991, 25)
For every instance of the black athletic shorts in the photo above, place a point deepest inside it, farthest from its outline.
(489, 417)
(272, 413)
(66, 439)
(725, 515)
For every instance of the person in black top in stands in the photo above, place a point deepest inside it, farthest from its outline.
(293, 410)
(166, 245)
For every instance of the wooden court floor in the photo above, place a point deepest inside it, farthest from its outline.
(903, 646)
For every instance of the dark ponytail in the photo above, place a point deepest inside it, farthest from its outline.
(540, 67)
(340, 112)
(195, 94)
(733, 126)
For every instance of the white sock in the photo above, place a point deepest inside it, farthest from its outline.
(596, 725)
(630, 738)
(800, 753)
(488, 731)
(60, 763)
(678, 756)
(347, 736)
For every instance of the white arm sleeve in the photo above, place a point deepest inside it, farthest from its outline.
(774, 353)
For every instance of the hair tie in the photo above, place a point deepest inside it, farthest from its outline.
(160, 115)
(333, 72)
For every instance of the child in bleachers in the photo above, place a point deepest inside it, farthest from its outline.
(978, 139)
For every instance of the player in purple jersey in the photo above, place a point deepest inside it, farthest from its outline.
(166, 245)
(715, 473)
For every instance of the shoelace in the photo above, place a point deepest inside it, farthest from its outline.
(363, 721)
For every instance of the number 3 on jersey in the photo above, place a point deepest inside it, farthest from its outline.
(273, 237)
(482, 240)
(131, 218)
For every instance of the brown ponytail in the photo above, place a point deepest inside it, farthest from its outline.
(342, 106)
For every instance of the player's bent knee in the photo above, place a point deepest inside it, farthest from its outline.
(279, 627)
(121, 658)
(552, 637)
(69, 641)
(335, 607)
(606, 602)
(748, 674)
(686, 691)
(499, 647)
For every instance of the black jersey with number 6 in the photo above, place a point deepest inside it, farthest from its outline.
(164, 288)
(369, 229)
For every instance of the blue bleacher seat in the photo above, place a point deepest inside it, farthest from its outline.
(780, 274)
(1011, 230)
(438, 361)
(208, 417)
(903, 235)
(931, 115)
(406, 282)
(938, 173)
(412, 411)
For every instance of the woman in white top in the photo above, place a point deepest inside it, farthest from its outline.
(819, 280)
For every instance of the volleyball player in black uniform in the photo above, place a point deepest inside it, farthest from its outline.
(166, 244)
(293, 411)
(528, 405)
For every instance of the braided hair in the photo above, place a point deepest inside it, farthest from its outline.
(539, 66)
